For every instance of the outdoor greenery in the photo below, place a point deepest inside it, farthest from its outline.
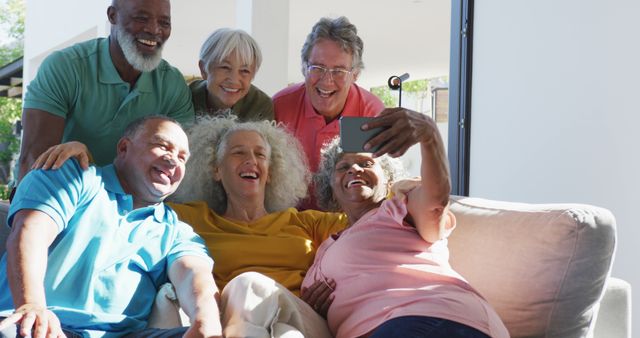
(11, 27)
(11, 48)
(417, 88)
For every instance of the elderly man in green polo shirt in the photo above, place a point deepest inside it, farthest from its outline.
(90, 91)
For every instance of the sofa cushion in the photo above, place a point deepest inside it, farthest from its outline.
(542, 267)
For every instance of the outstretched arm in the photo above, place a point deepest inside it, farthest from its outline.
(42, 130)
(31, 234)
(428, 203)
(198, 295)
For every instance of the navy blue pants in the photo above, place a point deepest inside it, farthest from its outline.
(422, 327)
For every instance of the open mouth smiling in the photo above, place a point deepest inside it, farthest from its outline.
(230, 90)
(149, 43)
(249, 175)
(356, 182)
(325, 93)
(165, 175)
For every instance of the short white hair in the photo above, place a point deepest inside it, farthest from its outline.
(224, 41)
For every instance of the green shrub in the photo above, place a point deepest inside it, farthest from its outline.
(10, 112)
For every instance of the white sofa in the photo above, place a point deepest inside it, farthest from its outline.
(544, 267)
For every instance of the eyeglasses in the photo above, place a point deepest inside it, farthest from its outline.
(316, 72)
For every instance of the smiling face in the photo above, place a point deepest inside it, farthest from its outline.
(328, 96)
(141, 28)
(229, 80)
(358, 179)
(244, 167)
(151, 163)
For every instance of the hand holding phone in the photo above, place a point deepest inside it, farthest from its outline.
(353, 138)
(394, 130)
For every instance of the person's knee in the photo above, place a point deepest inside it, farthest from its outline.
(258, 283)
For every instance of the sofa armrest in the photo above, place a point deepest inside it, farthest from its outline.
(614, 316)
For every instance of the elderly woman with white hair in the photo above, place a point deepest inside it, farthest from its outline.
(229, 61)
(240, 186)
(390, 266)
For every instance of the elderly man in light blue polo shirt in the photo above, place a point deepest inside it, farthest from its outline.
(91, 91)
(89, 249)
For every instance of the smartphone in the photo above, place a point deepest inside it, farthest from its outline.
(352, 138)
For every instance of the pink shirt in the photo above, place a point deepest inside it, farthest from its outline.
(384, 269)
(294, 109)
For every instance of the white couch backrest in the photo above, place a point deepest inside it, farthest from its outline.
(542, 266)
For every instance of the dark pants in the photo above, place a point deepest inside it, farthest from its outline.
(178, 332)
(12, 332)
(422, 327)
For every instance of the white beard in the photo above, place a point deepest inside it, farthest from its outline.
(136, 59)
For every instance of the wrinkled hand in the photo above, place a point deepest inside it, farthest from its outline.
(55, 156)
(319, 296)
(405, 128)
(402, 187)
(34, 319)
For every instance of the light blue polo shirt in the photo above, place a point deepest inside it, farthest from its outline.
(108, 260)
(81, 84)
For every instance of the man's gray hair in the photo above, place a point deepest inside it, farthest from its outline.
(330, 154)
(339, 30)
(289, 175)
(224, 41)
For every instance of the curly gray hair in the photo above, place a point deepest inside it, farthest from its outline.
(339, 30)
(330, 154)
(288, 170)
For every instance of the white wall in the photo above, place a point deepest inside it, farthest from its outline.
(555, 110)
(400, 35)
(50, 25)
(192, 21)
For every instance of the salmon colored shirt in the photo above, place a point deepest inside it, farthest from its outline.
(280, 245)
(383, 270)
(293, 108)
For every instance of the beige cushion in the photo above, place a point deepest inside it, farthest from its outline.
(542, 267)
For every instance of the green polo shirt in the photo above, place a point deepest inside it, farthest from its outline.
(81, 84)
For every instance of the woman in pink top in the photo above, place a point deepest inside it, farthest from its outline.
(389, 270)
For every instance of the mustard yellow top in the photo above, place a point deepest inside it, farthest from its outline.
(281, 245)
